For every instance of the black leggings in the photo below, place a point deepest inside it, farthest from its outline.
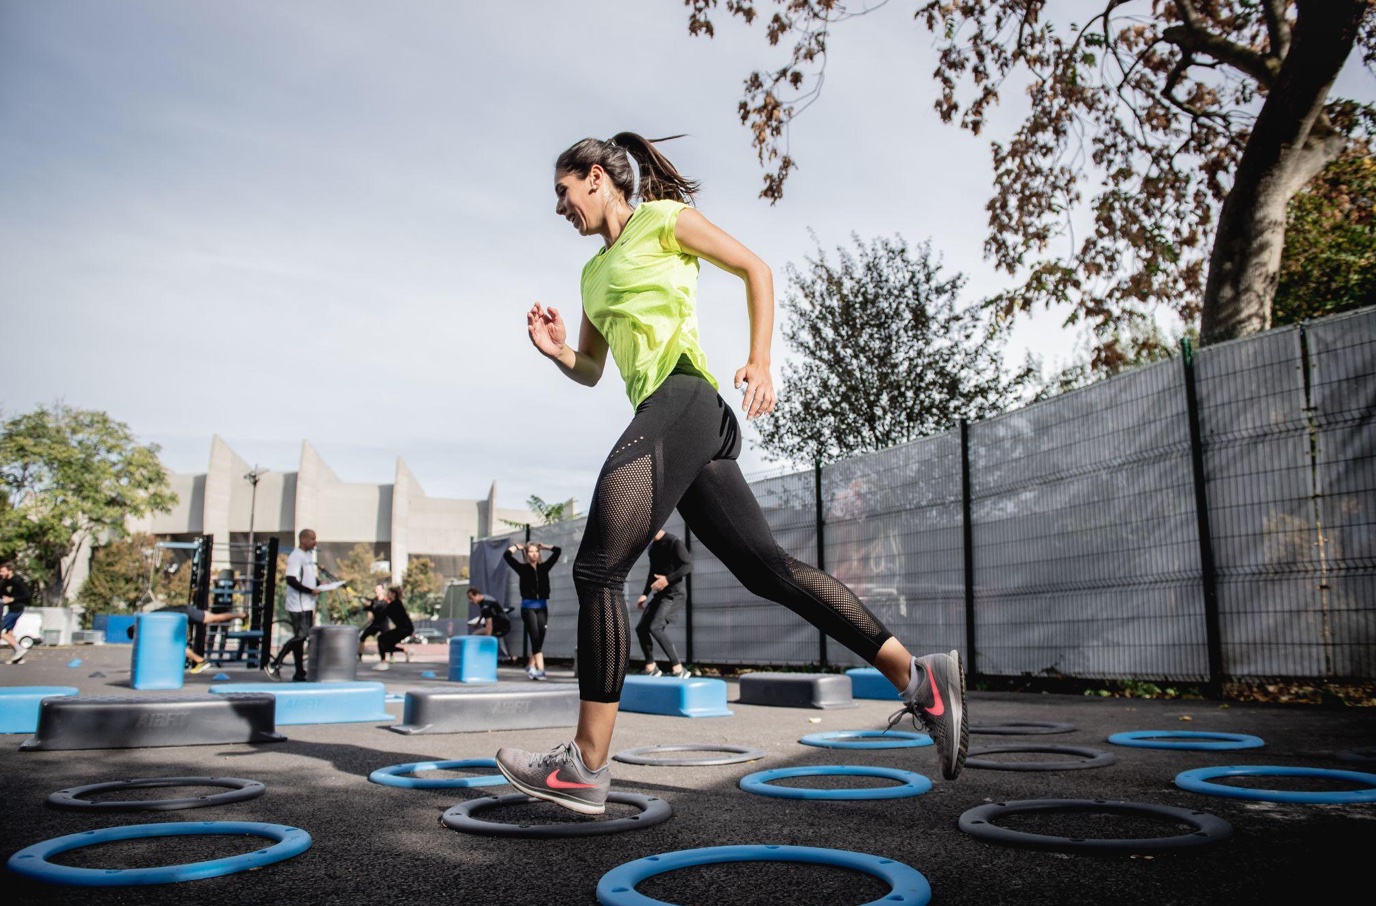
(660, 611)
(301, 622)
(680, 451)
(387, 640)
(536, 619)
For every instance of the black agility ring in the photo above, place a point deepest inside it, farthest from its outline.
(740, 754)
(1023, 728)
(239, 790)
(1094, 758)
(978, 822)
(460, 818)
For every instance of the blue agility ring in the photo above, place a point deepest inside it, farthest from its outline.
(397, 775)
(910, 784)
(1198, 781)
(32, 861)
(1193, 740)
(617, 887)
(867, 739)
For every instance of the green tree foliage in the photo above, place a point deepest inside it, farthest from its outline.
(355, 568)
(1329, 263)
(885, 355)
(548, 513)
(128, 574)
(70, 476)
(421, 585)
(1181, 128)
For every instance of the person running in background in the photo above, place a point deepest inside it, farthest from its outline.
(15, 594)
(377, 611)
(670, 561)
(639, 292)
(491, 620)
(533, 574)
(302, 580)
(402, 627)
(195, 615)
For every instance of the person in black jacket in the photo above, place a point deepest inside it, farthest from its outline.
(534, 578)
(377, 612)
(15, 595)
(670, 561)
(401, 628)
(491, 620)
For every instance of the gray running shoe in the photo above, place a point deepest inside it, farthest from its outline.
(558, 776)
(19, 655)
(936, 696)
(273, 671)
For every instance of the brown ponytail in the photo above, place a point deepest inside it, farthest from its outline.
(658, 177)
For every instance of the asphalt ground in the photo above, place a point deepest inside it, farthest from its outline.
(373, 844)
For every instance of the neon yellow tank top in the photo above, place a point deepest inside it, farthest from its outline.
(641, 295)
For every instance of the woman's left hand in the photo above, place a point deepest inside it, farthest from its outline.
(758, 389)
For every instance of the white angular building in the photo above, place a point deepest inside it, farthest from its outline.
(399, 520)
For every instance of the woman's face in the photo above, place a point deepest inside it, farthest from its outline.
(576, 198)
(533, 554)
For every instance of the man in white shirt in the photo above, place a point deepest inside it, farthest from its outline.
(301, 593)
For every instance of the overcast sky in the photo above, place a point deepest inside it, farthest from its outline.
(276, 221)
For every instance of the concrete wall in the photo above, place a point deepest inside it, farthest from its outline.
(398, 516)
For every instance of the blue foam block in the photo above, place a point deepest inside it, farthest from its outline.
(321, 703)
(473, 659)
(116, 627)
(159, 655)
(867, 682)
(697, 697)
(19, 705)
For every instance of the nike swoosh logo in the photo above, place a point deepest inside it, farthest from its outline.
(938, 707)
(554, 782)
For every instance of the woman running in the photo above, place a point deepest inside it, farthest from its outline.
(639, 303)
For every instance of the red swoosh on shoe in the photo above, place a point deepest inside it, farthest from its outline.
(554, 782)
(938, 707)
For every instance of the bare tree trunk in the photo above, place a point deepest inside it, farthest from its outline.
(1290, 143)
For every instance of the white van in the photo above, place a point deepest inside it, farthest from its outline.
(29, 629)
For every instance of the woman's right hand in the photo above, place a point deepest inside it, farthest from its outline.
(547, 330)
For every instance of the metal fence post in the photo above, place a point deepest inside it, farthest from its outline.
(1208, 572)
(968, 544)
(821, 550)
(688, 599)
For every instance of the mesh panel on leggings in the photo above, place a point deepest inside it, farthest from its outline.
(625, 503)
(838, 599)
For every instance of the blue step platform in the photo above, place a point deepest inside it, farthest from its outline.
(697, 697)
(494, 706)
(867, 682)
(797, 690)
(134, 722)
(320, 703)
(473, 659)
(159, 654)
(19, 705)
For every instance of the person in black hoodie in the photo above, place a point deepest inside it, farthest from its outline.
(534, 578)
(14, 594)
(670, 561)
(401, 628)
(376, 609)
